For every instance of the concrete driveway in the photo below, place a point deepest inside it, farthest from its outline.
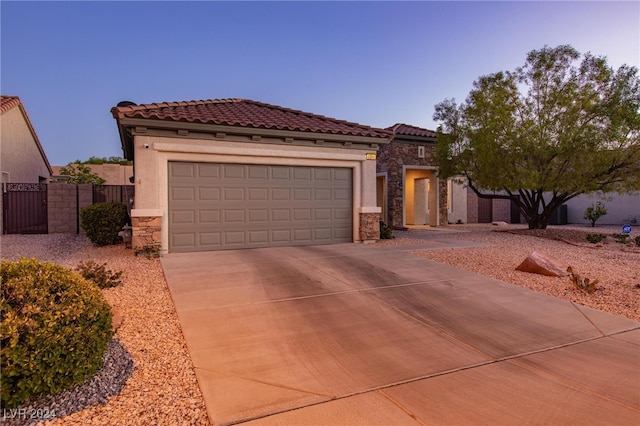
(358, 334)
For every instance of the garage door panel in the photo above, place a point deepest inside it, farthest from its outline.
(280, 173)
(233, 194)
(258, 194)
(209, 216)
(209, 239)
(233, 216)
(302, 173)
(208, 194)
(206, 170)
(183, 194)
(184, 217)
(234, 171)
(183, 170)
(302, 235)
(258, 172)
(280, 215)
(260, 216)
(228, 206)
(280, 194)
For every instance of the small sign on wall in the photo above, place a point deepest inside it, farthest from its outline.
(371, 155)
(421, 152)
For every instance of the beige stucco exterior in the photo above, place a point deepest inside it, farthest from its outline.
(21, 157)
(113, 174)
(153, 153)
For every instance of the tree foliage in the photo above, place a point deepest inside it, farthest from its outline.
(81, 174)
(105, 160)
(559, 126)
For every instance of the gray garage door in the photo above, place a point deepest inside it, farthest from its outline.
(229, 206)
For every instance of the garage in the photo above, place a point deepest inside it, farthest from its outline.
(217, 206)
(223, 174)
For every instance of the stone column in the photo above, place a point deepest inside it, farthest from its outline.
(370, 224)
(146, 225)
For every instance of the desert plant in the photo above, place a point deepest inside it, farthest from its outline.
(621, 238)
(386, 232)
(584, 284)
(637, 240)
(55, 328)
(99, 274)
(595, 238)
(595, 212)
(150, 252)
(103, 221)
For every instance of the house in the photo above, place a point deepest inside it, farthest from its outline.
(236, 173)
(409, 191)
(24, 171)
(22, 159)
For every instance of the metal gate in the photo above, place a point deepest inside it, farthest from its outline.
(24, 208)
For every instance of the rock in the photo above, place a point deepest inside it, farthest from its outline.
(538, 263)
(116, 319)
(499, 223)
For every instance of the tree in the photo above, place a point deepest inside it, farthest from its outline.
(80, 174)
(545, 133)
(595, 212)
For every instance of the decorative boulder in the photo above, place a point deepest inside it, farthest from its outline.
(538, 263)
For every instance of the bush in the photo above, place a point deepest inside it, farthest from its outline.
(637, 240)
(103, 221)
(595, 212)
(621, 238)
(595, 238)
(55, 328)
(99, 274)
(386, 233)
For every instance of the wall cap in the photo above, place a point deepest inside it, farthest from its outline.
(146, 213)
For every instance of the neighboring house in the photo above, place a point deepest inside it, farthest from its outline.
(235, 173)
(22, 159)
(113, 174)
(409, 190)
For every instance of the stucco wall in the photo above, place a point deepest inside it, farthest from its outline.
(153, 153)
(621, 208)
(19, 153)
(114, 174)
(395, 159)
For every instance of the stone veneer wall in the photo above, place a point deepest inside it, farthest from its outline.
(369, 226)
(391, 158)
(64, 201)
(146, 232)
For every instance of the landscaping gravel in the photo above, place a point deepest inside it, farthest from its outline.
(616, 266)
(162, 388)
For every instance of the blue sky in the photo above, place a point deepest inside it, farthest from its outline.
(375, 63)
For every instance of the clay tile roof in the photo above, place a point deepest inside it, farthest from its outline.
(408, 130)
(8, 102)
(246, 113)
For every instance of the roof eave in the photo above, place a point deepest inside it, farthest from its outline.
(125, 123)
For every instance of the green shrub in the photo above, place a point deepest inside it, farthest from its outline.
(55, 327)
(595, 212)
(386, 233)
(150, 252)
(595, 238)
(637, 240)
(103, 221)
(621, 238)
(99, 274)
